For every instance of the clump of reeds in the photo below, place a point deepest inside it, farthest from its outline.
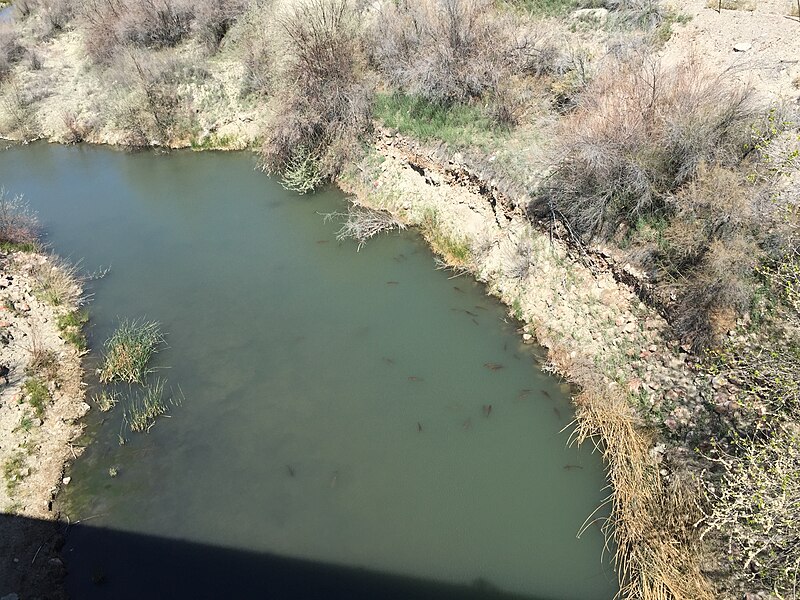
(129, 350)
(106, 400)
(143, 408)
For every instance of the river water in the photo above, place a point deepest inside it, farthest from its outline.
(334, 439)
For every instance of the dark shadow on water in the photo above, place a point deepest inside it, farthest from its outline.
(104, 563)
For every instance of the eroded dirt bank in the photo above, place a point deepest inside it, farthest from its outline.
(592, 315)
(41, 404)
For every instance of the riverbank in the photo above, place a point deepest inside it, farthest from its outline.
(627, 294)
(41, 405)
(631, 372)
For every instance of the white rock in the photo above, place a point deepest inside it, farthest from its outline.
(11, 596)
(66, 480)
(591, 14)
(742, 47)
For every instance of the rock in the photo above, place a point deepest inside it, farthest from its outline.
(527, 337)
(630, 327)
(12, 595)
(600, 15)
(66, 480)
(742, 47)
(22, 306)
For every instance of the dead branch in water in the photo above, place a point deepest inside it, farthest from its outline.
(362, 223)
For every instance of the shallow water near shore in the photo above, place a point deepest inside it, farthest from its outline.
(342, 408)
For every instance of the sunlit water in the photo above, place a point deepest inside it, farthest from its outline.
(335, 401)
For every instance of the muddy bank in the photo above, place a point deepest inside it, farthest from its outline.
(41, 404)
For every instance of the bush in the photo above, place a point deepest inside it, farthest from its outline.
(18, 225)
(11, 51)
(110, 25)
(640, 131)
(453, 51)
(323, 109)
(756, 508)
(151, 108)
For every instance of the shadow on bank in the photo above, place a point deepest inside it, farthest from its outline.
(121, 565)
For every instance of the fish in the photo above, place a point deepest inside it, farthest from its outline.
(419, 427)
(392, 282)
(415, 378)
(487, 409)
(476, 322)
(323, 241)
(572, 467)
(546, 394)
(479, 307)
(493, 366)
(290, 470)
(467, 424)
(458, 289)
(400, 257)
(524, 393)
(557, 412)
(471, 314)
(388, 360)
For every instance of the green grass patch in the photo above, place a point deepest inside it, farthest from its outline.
(13, 468)
(71, 326)
(456, 125)
(129, 350)
(546, 8)
(37, 394)
(143, 409)
(6, 246)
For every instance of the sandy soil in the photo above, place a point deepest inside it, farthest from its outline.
(33, 449)
(771, 64)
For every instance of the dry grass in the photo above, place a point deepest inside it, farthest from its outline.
(651, 521)
(57, 282)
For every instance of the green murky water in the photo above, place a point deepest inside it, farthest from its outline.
(335, 401)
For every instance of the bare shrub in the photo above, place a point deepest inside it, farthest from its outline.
(18, 225)
(640, 131)
(451, 51)
(109, 25)
(213, 20)
(11, 50)
(323, 108)
(151, 109)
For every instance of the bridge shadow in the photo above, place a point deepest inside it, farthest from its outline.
(119, 565)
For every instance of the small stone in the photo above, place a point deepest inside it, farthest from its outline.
(22, 306)
(630, 327)
(11, 596)
(527, 337)
(742, 47)
(66, 480)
